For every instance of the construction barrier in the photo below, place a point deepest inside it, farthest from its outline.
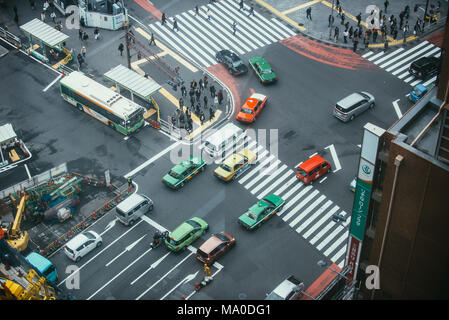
(155, 124)
(55, 245)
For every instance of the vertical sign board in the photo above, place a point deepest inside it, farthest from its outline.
(107, 177)
(371, 136)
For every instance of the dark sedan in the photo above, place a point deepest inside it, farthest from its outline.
(232, 62)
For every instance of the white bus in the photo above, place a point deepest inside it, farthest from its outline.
(102, 103)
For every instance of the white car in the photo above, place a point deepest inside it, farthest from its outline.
(289, 289)
(82, 244)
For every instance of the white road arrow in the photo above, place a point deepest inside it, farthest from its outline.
(186, 279)
(109, 226)
(153, 266)
(128, 248)
(396, 108)
(334, 157)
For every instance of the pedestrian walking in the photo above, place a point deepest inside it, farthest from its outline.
(16, 18)
(212, 91)
(234, 27)
(133, 37)
(80, 59)
(340, 11)
(405, 30)
(386, 4)
(331, 20)
(198, 94)
(120, 48)
(346, 25)
(85, 38)
(220, 96)
(175, 24)
(191, 92)
(45, 6)
(43, 16)
(375, 34)
(83, 52)
(15, 9)
(53, 17)
(181, 103)
(211, 113)
(32, 4)
(345, 36)
(208, 14)
(130, 182)
(359, 19)
(200, 84)
(343, 18)
(202, 117)
(205, 81)
(216, 102)
(351, 32)
(163, 19)
(205, 101)
(193, 84)
(96, 33)
(336, 33)
(355, 42)
(197, 10)
(152, 39)
(198, 109)
(309, 13)
(80, 34)
(251, 11)
(183, 90)
(241, 5)
(192, 102)
(417, 28)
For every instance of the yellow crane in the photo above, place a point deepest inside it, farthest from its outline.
(16, 238)
(37, 289)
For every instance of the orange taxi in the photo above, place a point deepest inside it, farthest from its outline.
(252, 108)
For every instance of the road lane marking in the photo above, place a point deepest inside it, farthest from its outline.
(188, 278)
(301, 6)
(28, 172)
(165, 275)
(154, 158)
(153, 266)
(281, 15)
(52, 83)
(396, 108)
(117, 275)
(334, 157)
(128, 248)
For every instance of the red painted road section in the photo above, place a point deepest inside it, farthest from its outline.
(436, 38)
(149, 8)
(233, 83)
(338, 57)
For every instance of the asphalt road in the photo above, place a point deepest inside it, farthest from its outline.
(299, 108)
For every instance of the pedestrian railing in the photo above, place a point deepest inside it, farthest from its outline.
(10, 38)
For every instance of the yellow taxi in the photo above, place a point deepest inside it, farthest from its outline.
(234, 165)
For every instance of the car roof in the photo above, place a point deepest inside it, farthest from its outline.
(423, 61)
(130, 202)
(230, 54)
(285, 287)
(233, 159)
(258, 96)
(263, 64)
(183, 229)
(210, 244)
(77, 241)
(350, 100)
(311, 163)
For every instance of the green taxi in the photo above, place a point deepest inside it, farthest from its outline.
(183, 172)
(186, 233)
(263, 70)
(261, 211)
(234, 165)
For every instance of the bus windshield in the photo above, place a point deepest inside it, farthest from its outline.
(134, 118)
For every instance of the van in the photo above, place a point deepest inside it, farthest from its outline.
(425, 67)
(218, 142)
(348, 108)
(312, 169)
(44, 266)
(132, 208)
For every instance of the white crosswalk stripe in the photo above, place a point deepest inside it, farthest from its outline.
(398, 62)
(305, 209)
(200, 38)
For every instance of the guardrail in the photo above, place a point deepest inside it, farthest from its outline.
(10, 38)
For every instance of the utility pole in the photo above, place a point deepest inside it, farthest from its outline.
(425, 14)
(128, 57)
(332, 18)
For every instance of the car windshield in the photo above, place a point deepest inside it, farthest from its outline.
(364, 95)
(339, 108)
(236, 64)
(225, 167)
(69, 250)
(120, 212)
(173, 242)
(174, 174)
(202, 253)
(417, 92)
(302, 172)
(267, 71)
(194, 224)
(251, 215)
(222, 237)
(270, 204)
(89, 235)
(247, 111)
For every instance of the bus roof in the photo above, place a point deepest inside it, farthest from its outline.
(96, 92)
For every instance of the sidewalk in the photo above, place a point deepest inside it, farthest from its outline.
(318, 28)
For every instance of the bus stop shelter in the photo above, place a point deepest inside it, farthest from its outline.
(142, 86)
(45, 34)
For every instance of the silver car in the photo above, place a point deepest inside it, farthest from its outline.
(348, 108)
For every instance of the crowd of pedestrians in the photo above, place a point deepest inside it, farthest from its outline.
(200, 103)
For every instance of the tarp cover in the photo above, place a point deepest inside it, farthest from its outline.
(7, 133)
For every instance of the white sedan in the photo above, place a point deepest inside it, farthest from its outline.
(82, 244)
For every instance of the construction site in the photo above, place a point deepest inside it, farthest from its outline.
(38, 217)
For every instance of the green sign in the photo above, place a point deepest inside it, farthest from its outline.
(360, 209)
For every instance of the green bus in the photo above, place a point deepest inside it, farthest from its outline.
(102, 103)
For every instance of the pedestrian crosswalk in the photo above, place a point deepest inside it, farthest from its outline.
(398, 61)
(306, 210)
(200, 38)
